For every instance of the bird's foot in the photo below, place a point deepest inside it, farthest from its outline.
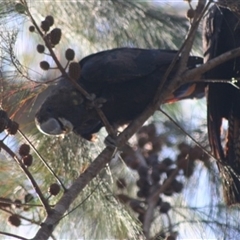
(95, 102)
(110, 141)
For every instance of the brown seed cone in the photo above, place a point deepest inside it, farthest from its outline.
(31, 29)
(165, 207)
(74, 70)
(40, 48)
(195, 153)
(143, 193)
(167, 161)
(143, 182)
(184, 148)
(44, 65)
(27, 160)
(162, 167)
(155, 175)
(69, 54)
(142, 171)
(55, 36)
(54, 189)
(24, 149)
(45, 25)
(14, 220)
(156, 144)
(177, 186)
(50, 19)
(190, 13)
(12, 129)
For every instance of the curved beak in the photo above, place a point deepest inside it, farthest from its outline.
(55, 126)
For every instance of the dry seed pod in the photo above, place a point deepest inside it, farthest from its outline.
(190, 13)
(12, 129)
(74, 70)
(14, 220)
(24, 149)
(54, 189)
(142, 171)
(165, 207)
(156, 144)
(177, 186)
(27, 160)
(143, 192)
(50, 19)
(195, 153)
(69, 54)
(184, 148)
(155, 175)
(40, 48)
(44, 65)
(31, 29)
(45, 25)
(168, 192)
(167, 161)
(142, 183)
(55, 36)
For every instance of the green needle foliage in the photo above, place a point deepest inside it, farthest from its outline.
(98, 213)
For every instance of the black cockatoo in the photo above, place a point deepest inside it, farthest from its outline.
(221, 33)
(127, 78)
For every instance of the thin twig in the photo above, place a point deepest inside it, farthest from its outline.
(42, 159)
(13, 235)
(186, 133)
(28, 174)
(190, 75)
(22, 217)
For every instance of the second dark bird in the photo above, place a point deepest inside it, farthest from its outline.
(221, 33)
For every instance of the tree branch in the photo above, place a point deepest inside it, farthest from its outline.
(104, 157)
